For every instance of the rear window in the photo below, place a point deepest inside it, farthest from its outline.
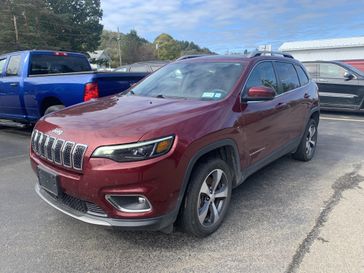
(52, 64)
(288, 76)
(2, 65)
(302, 75)
(13, 66)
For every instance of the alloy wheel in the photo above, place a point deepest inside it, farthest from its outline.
(212, 197)
(311, 139)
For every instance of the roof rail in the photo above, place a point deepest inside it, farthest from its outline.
(192, 56)
(270, 53)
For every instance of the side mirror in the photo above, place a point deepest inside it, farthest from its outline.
(260, 93)
(348, 76)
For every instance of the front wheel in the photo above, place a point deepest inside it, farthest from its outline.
(207, 198)
(307, 148)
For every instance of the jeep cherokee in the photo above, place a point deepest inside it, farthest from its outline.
(176, 144)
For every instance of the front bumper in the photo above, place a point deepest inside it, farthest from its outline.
(156, 223)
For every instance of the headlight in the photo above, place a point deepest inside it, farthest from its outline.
(135, 151)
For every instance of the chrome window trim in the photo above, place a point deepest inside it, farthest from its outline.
(278, 81)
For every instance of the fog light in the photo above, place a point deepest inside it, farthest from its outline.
(129, 203)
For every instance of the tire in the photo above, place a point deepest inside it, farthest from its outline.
(307, 148)
(204, 208)
(53, 108)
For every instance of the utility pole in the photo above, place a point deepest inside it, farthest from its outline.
(119, 47)
(16, 30)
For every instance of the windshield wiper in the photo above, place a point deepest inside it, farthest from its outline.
(160, 96)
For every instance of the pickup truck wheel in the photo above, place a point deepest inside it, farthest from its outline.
(306, 149)
(53, 108)
(207, 198)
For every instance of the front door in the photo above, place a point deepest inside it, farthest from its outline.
(10, 101)
(335, 90)
(261, 120)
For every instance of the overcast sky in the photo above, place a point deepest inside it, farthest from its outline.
(235, 25)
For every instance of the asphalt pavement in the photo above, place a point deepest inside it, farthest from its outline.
(289, 217)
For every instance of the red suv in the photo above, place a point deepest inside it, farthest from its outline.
(175, 145)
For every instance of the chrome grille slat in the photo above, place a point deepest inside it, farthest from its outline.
(58, 151)
(33, 139)
(49, 152)
(65, 153)
(77, 156)
(42, 146)
(36, 142)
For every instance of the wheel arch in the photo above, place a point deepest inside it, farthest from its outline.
(48, 102)
(226, 149)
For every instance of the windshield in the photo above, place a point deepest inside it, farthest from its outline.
(195, 80)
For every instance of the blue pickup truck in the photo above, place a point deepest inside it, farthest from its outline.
(34, 83)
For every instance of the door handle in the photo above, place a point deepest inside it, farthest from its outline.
(282, 106)
(14, 84)
(306, 96)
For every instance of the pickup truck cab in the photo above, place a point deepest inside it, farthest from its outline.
(34, 83)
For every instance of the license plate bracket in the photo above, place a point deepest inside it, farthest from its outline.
(48, 181)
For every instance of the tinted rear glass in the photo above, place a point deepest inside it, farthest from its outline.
(52, 64)
(288, 76)
(302, 75)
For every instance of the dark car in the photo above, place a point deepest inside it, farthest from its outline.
(148, 67)
(177, 143)
(341, 86)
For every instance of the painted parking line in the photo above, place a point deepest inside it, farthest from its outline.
(343, 119)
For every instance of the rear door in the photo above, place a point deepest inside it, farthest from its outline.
(292, 100)
(10, 101)
(335, 90)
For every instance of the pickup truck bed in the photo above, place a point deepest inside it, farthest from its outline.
(25, 96)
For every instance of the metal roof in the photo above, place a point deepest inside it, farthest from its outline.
(321, 44)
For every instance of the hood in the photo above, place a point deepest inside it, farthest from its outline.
(121, 119)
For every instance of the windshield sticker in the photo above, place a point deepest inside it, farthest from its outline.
(208, 94)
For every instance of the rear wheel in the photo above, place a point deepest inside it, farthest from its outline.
(53, 108)
(307, 148)
(207, 198)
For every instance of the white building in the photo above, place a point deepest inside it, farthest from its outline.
(326, 50)
(99, 60)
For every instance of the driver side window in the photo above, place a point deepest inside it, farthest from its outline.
(333, 71)
(262, 75)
